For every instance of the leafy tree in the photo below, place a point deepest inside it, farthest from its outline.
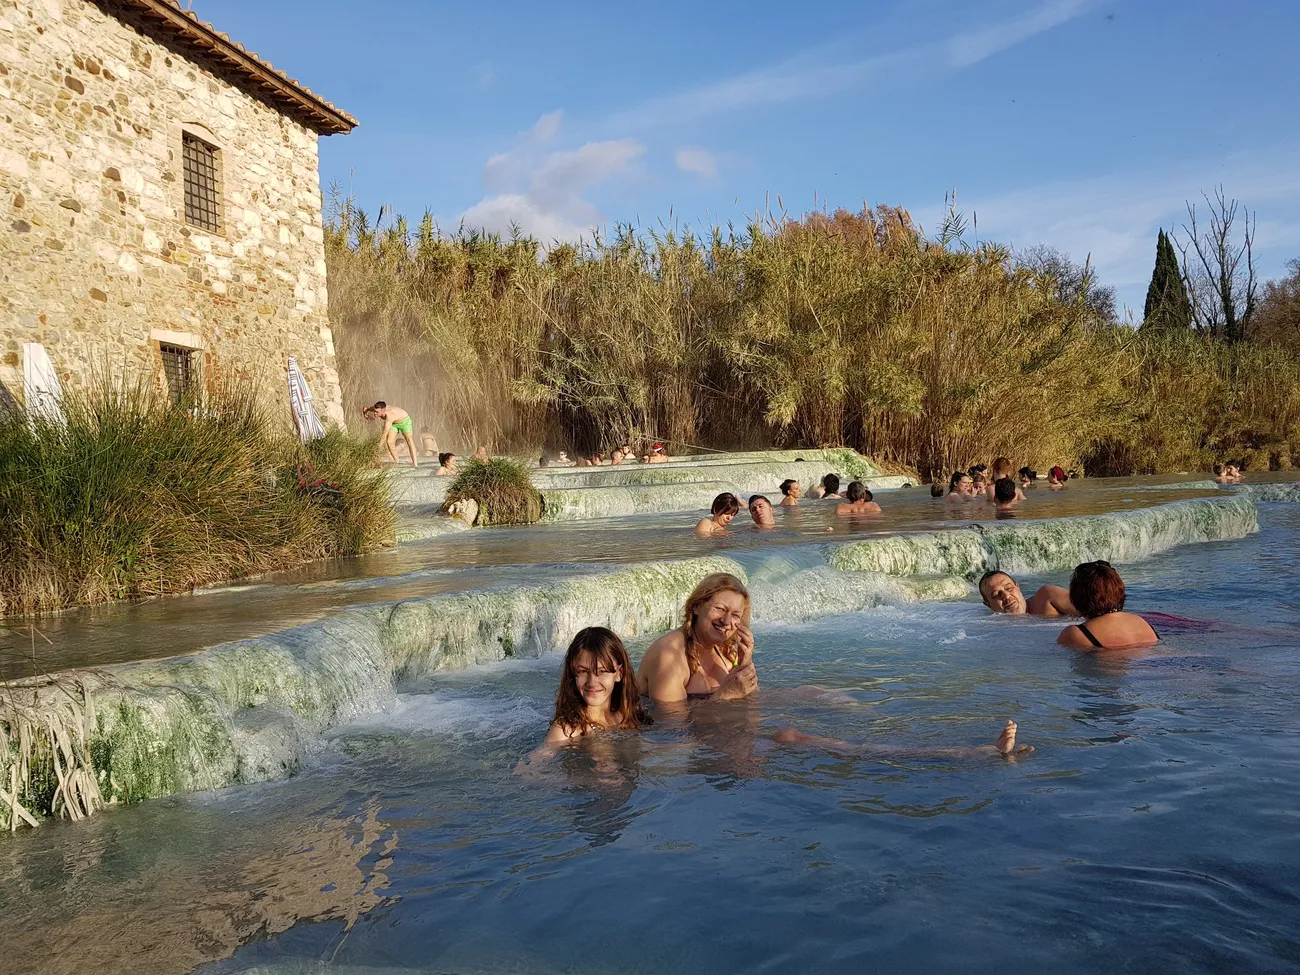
(1277, 322)
(1168, 307)
(1071, 283)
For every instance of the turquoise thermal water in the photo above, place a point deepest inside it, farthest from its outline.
(1153, 828)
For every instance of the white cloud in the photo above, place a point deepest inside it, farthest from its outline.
(815, 73)
(701, 162)
(971, 48)
(542, 190)
(1115, 217)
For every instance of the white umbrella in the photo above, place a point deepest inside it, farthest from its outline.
(41, 389)
(304, 414)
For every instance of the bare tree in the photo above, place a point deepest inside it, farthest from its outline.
(1219, 271)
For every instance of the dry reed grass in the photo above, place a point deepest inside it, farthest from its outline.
(840, 328)
(45, 757)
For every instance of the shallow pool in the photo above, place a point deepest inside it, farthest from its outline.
(1154, 829)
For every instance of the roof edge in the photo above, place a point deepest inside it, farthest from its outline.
(264, 81)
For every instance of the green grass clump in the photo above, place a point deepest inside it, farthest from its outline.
(136, 496)
(503, 489)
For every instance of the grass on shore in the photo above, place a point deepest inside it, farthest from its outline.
(135, 496)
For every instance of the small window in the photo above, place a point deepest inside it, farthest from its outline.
(202, 183)
(180, 369)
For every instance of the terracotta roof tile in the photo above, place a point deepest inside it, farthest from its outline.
(259, 76)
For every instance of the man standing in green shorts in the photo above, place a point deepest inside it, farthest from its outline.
(396, 420)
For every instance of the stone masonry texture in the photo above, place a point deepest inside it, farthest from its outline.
(95, 252)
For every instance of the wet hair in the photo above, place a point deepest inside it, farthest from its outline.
(1217, 469)
(608, 651)
(857, 491)
(725, 503)
(956, 479)
(831, 482)
(989, 577)
(936, 490)
(709, 587)
(444, 457)
(1004, 490)
(543, 462)
(1001, 468)
(756, 497)
(979, 477)
(380, 405)
(1026, 473)
(787, 484)
(1096, 589)
(977, 469)
(1057, 473)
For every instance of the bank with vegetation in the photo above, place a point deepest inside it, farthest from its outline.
(852, 329)
(133, 495)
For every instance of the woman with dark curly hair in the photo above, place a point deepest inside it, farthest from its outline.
(1097, 592)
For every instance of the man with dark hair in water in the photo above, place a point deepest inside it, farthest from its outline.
(1004, 494)
(1002, 594)
(760, 510)
(860, 502)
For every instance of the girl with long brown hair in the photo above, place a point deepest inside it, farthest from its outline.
(597, 689)
(711, 654)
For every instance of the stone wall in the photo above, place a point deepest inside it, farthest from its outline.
(97, 262)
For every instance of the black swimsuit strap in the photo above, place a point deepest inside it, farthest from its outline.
(1083, 628)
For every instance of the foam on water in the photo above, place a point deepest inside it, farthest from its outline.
(444, 714)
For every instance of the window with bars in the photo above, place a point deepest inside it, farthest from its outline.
(180, 370)
(202, 182)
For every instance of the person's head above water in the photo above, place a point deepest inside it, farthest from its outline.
(446, 458)
(597, 674)
(760, 509)
(959, 481)
(1001, 593)
(1096, 589)
(788, 485)
(714, 611)
(1004, 491)
(1001, 468)
(857, 491)
(1056, 474)
(725, 505)
(831, 482)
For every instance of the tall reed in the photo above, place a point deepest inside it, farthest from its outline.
(837, 328)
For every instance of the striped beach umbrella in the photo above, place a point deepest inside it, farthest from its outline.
(304, 414)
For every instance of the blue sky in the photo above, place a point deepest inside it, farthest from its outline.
(1082, 125)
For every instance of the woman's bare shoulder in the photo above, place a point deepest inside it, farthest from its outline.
(667, 643)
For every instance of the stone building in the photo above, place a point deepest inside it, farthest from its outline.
(160, 204)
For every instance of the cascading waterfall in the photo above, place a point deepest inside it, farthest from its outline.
(1052, 543)
(251, 710)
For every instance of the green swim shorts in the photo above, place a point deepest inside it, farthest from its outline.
(403, 425)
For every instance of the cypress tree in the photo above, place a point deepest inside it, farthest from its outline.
(1167, 307)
